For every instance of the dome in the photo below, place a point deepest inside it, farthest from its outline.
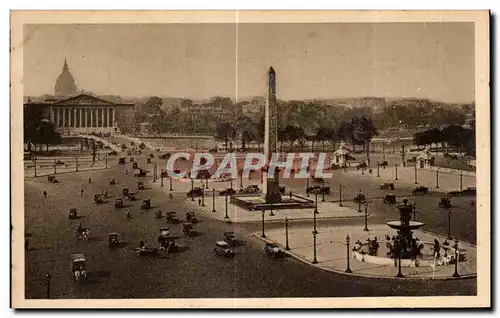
(65, 84)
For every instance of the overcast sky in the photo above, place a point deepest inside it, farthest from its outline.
(433, 60)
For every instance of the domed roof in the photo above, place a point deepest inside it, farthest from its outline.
(65, 84)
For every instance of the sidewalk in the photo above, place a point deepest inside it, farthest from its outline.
(332, 251)
(427, 178)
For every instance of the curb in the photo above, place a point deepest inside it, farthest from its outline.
(66, 172)
(470, 276)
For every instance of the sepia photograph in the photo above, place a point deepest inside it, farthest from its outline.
(250, 159)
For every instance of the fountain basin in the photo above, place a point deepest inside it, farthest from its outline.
(397, 225)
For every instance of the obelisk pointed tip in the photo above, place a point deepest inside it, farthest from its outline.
(271, 70)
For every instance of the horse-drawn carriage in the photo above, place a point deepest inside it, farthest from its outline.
(191, 218)
(360, 198)
(390, 198)
(146, 204)
(98, 198)
(72, 214)
(78, 267)
(172, 219)
(118, 202)
(387, 186)
(445, 203)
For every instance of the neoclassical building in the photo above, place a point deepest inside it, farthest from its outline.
(83, 113)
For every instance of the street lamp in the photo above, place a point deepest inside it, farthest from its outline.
(287, 247)
(437, 179)
(449, 225)
(378, 169)
(414, 206)
(316, 202)
(155, 176)
(314, 233)
(192, 189)
(213, 200)
(106, 160)
(226, 216)
(399, 250)
(307, 186)
(461, 181)
(48, 277)
(206, 182)
(170, 181)
(76, 164)
(202, 196)
(231, 183)
(347, 241)
(359, 200)
(396, 168)
(366, 218)
(263, 215)
(272, 213)
(455, 274)
(161, 179)
(340, 195)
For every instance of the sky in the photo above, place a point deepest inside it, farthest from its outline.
(312, 60)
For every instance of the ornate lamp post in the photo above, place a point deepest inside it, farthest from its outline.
(378, 169)
(206, 182)
(399, 251)
(437, 179)
(461, 181)
(449, 225)
(314, 233)
(457, 255)
(316, 202)
(307, 186)
(161, 178)
(287, 247)
(55, 167)
(272, 213)
(231, 183)
(76, 163)
(213, 200)
(347, 241)
(170, 181)
(263, 215)
(226, 216)
(155, 171)
(414, 205)
(396, 169)
(416, 182)
(34, 160)
(192, 188)
(340, 195)
(322, 191)
(48, 277)
(359, 201)
(362, 170)
(366, 218)
(202, 196)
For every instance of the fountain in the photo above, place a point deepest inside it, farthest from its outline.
(405, 226)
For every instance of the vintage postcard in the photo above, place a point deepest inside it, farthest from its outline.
(250, 159)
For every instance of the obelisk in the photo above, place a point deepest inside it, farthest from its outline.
(271, 188)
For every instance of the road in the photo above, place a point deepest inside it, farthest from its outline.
(194, 273)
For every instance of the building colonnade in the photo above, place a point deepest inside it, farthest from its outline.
(83, 117)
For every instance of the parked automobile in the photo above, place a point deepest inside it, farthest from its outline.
(390, 198)
(273, 250)
(469, 191)
(113, 153)
(420, 190)
(227, 191)
(250, 189)
(318, 189)
(445, 203)
(387, 186)
(119, 202)
(360, 198)
(230, 238)
(195, 192)
(222, 249)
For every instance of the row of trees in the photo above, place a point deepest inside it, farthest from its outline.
(457, 137)
(37, 129)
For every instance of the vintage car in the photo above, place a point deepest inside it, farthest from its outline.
(51, 179)
(362, 165)
(131, 197)
(383, 164)
(125, 191)
(230, 238)
(118, 202)
(445, 203)
(360, 198)
(187, 228)
(273, 250)
(250, 189)
(135, 165)
(146, 204)
(165, 156)
(72, 214)
(335, 166)
(146, 251)
(78, 267)
(98, 198)
(469, 191)
(390, 198)
(195, 192)
(113, 240)
(222, 249)
(121, 161)
(420, 190)
(227, 191)
(158, 214)
(172, 219)
(318, 189)
(140, 185)
(113, 153)
(148, 160)
(141, 174)
(387, 186)
(112, 181)
(191, 218)
(455, 193)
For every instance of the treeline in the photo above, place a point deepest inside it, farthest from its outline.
(454, 136)
(37, 129)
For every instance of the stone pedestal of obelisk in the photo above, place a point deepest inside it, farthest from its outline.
(271, 188)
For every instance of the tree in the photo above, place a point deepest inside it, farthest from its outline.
(225, 132)
(362, 130)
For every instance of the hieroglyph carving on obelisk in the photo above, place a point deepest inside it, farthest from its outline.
(271, 184)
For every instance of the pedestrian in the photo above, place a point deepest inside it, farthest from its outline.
(199, 201)
(44, 193)
(81, 192)
(90, 180)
